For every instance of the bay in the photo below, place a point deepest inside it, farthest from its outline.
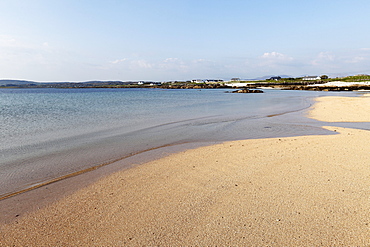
(46, 134)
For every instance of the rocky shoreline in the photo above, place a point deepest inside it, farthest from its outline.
(256, 88)
(329, 88)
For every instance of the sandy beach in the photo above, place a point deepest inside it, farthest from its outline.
(295, 191)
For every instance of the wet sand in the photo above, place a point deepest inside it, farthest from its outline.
(296, 191)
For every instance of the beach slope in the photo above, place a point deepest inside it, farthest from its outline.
(296, 191)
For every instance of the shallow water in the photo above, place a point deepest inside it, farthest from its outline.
(50, 133)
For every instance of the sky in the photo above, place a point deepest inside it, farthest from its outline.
(164, 40)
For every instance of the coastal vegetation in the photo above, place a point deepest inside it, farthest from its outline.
(355, 78)
(323, 79)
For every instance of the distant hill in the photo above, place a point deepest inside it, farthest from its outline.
(16, 82)
(24, 82)
(269, 76)
(32, 84)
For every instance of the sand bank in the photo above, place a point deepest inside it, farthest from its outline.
(340, 84)
(299, 191)
(342, 109)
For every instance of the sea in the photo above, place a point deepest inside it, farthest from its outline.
(47, 134)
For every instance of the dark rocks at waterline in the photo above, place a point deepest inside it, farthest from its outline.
(248, 91)
(329, 88)
(194, 86)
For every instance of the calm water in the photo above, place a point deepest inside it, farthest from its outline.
(49, 133)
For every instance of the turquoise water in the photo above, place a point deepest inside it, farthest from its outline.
(49, 133)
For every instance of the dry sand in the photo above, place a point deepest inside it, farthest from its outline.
(299, 191)
(342, 109)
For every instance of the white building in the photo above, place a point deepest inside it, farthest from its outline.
(198, 81)
(311, 78)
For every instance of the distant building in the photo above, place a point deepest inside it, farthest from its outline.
(152, 83)
(275, 78)
(198, 81)
(311, 78)
(235, 79)
(206, 81)
(213, 80)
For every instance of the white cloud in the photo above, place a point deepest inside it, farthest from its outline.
(14, 44)
(140, 64)
(173, 65)
(276, 56)
(273, 63)
(34, 60)
(7, 41)
(323, 58)
(340, 62)
(200, 60)
(171, 60)
(357, 59)
(326, 56)
(119, 61)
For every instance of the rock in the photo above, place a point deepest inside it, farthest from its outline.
(248, 91)
(329, 88)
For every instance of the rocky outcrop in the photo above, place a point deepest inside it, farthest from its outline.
(329, 88)
(193, 86)
(248, 91)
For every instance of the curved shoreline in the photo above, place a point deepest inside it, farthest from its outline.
(36, 200)
(306, 190)
(197, 131)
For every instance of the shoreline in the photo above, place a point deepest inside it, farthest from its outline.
(279, 191)
(231, 123)
(24, 202)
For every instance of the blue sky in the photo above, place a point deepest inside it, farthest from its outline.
(70, 40)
